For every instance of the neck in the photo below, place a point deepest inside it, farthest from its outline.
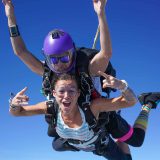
(73, 119)
(71, 115)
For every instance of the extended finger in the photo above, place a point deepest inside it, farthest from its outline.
(22, 91)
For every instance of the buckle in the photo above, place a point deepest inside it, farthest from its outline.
(74, 141)
(104, 140)
(93, 125)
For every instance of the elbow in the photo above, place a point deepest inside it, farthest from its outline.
(38, 69)
(129, 102)
(132, 102)
(108, 54)
(19, 50)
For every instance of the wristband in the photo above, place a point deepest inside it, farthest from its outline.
(123, 90)
(14, 31)
(14, 107)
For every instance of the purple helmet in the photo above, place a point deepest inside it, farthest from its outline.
(56, 43)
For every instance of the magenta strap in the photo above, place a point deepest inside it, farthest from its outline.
(126, 136)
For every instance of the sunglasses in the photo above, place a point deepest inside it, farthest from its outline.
(62, 59)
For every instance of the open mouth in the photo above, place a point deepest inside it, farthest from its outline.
(66, 104)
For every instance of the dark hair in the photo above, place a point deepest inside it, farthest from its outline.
(65, 76)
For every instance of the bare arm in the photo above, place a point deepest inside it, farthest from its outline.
(100, 61)
(112, 104)
(18, 44)
(18, 106)
(127, 98)
(37, 109)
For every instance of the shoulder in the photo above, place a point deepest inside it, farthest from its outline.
(88, 52)
(84, 55)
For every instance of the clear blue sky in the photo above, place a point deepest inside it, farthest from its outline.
(135, 32)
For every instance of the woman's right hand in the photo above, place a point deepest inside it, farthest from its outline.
(112, 82)
(20, 99)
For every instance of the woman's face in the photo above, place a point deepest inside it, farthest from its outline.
(66, 94)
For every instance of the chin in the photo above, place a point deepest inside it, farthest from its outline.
(66, 110)
(61, 68)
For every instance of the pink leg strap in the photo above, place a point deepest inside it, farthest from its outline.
(126, 136)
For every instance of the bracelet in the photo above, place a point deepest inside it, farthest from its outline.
(123, 90)
(14, 31)
(14, 107)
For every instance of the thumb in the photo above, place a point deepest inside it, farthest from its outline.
(103, 74)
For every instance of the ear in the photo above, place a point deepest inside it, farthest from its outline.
(54, 93)
(79, 92)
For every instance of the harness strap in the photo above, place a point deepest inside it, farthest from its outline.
(46, 83)
(52, 110)
(90, 118)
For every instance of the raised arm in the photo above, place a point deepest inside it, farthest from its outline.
(126, 99)
(17, 42)
(19, 107)
(100, 61)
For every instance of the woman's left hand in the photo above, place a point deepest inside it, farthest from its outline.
(111, 81)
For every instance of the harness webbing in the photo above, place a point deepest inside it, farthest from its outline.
(46, 84)
(96, 38)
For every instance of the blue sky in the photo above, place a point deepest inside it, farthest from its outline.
(135, 33)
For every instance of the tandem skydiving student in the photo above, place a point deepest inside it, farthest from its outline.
(73, 123)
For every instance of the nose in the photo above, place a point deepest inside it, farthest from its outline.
(66, 94)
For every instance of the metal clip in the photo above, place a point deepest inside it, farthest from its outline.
(105, 140)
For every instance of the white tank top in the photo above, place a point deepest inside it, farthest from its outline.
(82, 133)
